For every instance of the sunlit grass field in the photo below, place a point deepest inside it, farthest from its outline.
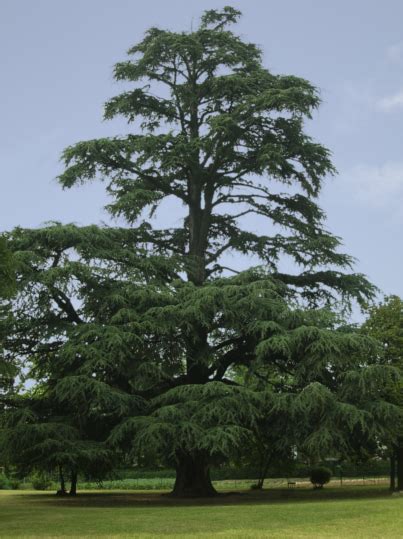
(351, 511)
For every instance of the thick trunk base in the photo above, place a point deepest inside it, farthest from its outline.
(193, 478)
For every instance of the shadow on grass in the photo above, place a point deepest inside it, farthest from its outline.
(160, 499)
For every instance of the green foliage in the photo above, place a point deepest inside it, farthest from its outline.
(7, 270)
(7, 289)
(385, 323)
(33, 440)
(4, 482)
(213, 122)
(40, 482)
(320, 476)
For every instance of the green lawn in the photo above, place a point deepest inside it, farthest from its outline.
(369, 512)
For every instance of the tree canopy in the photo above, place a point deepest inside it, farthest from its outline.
(385, 323)
(7, 288)
(7, 270)
(217, 131)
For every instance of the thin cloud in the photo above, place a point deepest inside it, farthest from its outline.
(391, 102)
(379, 187)
(394, 53)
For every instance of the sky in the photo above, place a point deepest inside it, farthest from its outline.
(56, 59)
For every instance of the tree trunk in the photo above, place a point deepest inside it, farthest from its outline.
(263, 472)
(193, 477)
(260, 482)
(62, 491)
(399, 459)
(392, 482)
(73, 485)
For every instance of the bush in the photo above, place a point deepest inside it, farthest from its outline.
(4, 482)
(320, 476)
(40, 482)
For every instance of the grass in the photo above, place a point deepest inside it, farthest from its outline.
(359, 512)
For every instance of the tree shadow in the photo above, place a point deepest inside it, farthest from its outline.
(247, 497)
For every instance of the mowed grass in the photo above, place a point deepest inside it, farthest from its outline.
(365, 512)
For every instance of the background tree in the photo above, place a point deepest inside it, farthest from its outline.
(39, 436)
(144, 324)
(7, 289)
(295, 426)
(56, 426)
(7, 270)
(385, 323)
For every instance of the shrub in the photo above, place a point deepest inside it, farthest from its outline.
(40, 482)
(320, 476)
(15, 484)
(4, 482)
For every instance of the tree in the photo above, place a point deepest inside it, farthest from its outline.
(40, 435)
(40, 430)
(143, 325)
(115, 361)
(336, 420)
(7, 270)
(7, 288)
(385, 323)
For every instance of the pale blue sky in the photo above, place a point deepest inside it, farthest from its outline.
(56, 62)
